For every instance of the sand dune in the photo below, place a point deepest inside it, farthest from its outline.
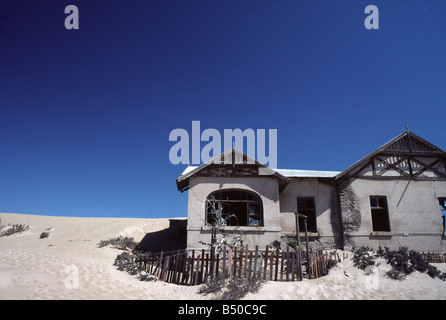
(69, 265)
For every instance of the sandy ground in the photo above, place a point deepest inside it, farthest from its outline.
(69, 265)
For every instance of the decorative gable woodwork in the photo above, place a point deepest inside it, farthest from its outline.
(407, 156)
(232, 163)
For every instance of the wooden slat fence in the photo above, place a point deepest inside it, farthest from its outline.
(198, 266)
(434, 257)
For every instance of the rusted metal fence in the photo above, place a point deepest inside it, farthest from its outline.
(193, 267)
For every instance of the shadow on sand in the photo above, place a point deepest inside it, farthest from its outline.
(172, 238)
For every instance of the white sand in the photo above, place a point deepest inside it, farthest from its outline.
(33, 268)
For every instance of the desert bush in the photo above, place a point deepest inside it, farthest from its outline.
(403, 262)
(144, 276)
(121, 243)
(395, 274)
(234, 288)
(44, 235)
(400, 261)
(15, 228)
(330, 265)
(126, 261)
(237, 288)
(364, 257)
(213, 285)
(292, 242)
(132, 263)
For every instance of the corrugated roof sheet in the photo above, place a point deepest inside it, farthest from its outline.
(291, 173)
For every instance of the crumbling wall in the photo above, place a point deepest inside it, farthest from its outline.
(350, 212)
(335, 219)
(351, 215)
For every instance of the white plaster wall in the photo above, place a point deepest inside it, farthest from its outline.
(327, 213)
(414, 213)
(307, 187)
(266, 187)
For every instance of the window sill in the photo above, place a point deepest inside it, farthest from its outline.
(391, 234)
(382, 233)
(239, 228)
(310, 234)
(302, 234)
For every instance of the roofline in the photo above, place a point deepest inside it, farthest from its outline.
(218, 159)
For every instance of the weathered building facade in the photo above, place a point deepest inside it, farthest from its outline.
(392, 197)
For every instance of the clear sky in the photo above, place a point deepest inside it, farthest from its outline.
(85, 115)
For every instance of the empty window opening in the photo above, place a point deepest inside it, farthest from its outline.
(443, 211)
(380, 213)
(306, 206)
(234, 208)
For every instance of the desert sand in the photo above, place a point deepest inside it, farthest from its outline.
(70, 265)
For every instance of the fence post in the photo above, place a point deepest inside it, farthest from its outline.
(310, 275)
(160, 265)
(266, 263)
(255, 259)
(202, 267)
(277, 264)
(212, 262)
(246, 261)
(235, 262)
(165, 269)
(177, 261)
(293, 265)
(271, 264)
(240, 265)
(298, 247)
(224, 261)
(191, 269)
(250, 266)
(229, 262)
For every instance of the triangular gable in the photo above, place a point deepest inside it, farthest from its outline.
(231, 163)
(407, 156)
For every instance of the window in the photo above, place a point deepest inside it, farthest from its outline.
(233, 207)
(306, 206)
(380, 213)
(443, 210)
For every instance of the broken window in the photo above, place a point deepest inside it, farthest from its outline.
(234, 207)
(306, 207)
(380, 213)
(443, 210)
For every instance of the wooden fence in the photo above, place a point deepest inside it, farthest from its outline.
(198, 266)
(434, 257)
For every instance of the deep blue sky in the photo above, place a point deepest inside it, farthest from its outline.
(85, 115)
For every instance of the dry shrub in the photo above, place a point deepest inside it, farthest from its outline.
(121, 243)
(403, 262)
(44, 235)
(15, 228)
(234, 288)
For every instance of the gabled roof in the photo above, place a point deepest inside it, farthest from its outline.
(405, 148)
(236, 159)
(407, 144)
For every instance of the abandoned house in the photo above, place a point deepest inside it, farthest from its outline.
(395, 196)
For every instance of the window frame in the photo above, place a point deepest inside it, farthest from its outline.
(237, 199)
(309, 212)
(377, 212)
(442, 203)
